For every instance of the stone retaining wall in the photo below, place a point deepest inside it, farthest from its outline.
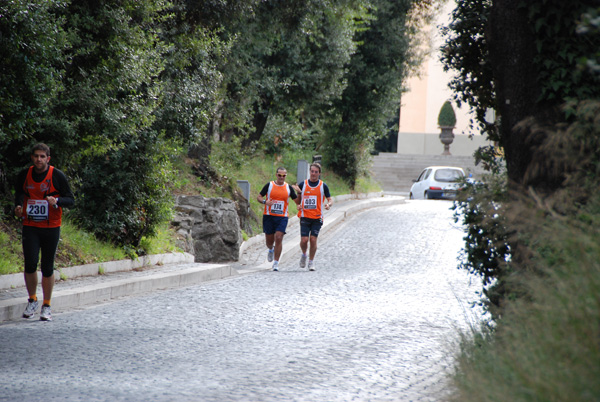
(209, 228)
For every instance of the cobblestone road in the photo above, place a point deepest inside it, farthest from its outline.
(377, 321)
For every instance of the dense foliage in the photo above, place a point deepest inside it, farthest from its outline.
(287, 58)
(534, 91)
(116, 87)
(375, 78)
(33, 44)
(531, 227)
(447, 117)
(466, 54)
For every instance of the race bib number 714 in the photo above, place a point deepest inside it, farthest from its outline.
(277, 207)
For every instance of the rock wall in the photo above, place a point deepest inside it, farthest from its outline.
(208, 228)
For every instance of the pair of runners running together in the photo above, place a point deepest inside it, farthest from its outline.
(311, 196)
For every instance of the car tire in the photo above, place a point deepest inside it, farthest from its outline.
(410, 196)
(427, 196)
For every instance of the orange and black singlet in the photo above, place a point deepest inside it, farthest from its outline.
(31, 190)
(312, 199)
(36, 210)
(280, 194)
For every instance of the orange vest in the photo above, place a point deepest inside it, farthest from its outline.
(36, 210)
(312, 201)
(281, 195)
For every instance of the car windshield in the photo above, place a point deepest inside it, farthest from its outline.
(448, 175)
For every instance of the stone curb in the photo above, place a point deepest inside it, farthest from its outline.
(260, 238)
(78, 297)
(12, 309)
(16, 280)
(331, 219)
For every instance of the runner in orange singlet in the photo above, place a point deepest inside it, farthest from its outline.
(41, 193)
(275, 214)
(313, 193)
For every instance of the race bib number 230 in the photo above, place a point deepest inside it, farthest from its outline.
(37, 210)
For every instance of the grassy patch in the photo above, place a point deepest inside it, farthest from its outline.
(260, 169)
(186, 182)
(11, 254)
(257, 171)
(545, 348)
(78, 247)
(165, 241)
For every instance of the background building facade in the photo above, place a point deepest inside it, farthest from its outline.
(419, 108)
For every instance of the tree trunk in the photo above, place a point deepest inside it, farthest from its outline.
(201, 150)
(261, 115)
(516, 79)
(512, 51)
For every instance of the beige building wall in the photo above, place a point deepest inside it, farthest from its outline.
(413, 106)
(420, 106)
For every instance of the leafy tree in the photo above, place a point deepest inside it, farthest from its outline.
(286, 57)
(124, 196)
(520, 58)
(190, 80)
(517, 58)
(375, 75)
(111, 86)
(466, 47)
(103, 120)
(389, 142)
(33, 44)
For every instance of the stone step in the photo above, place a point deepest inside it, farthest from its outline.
(396, 172)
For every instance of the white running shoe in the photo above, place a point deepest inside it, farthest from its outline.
(46, 313)
(303, 261)
(270, 255)
(276, 266)
(30, 309)
(311, 265)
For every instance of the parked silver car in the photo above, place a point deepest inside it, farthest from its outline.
(441, 182)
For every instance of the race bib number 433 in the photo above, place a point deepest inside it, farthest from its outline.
(310, 202)
(37, 210)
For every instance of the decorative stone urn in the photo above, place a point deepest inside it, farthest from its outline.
(446, 137)
(447, 122)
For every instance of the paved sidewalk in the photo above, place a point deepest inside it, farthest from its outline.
(95, 283)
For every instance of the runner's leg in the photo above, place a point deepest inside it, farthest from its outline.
(49, 244)
(313, 248)
(278, 244)
(270, 240)
(304, 244)
(31, 253)
(315, 228)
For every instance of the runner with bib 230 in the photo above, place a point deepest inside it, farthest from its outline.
(41, 193)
